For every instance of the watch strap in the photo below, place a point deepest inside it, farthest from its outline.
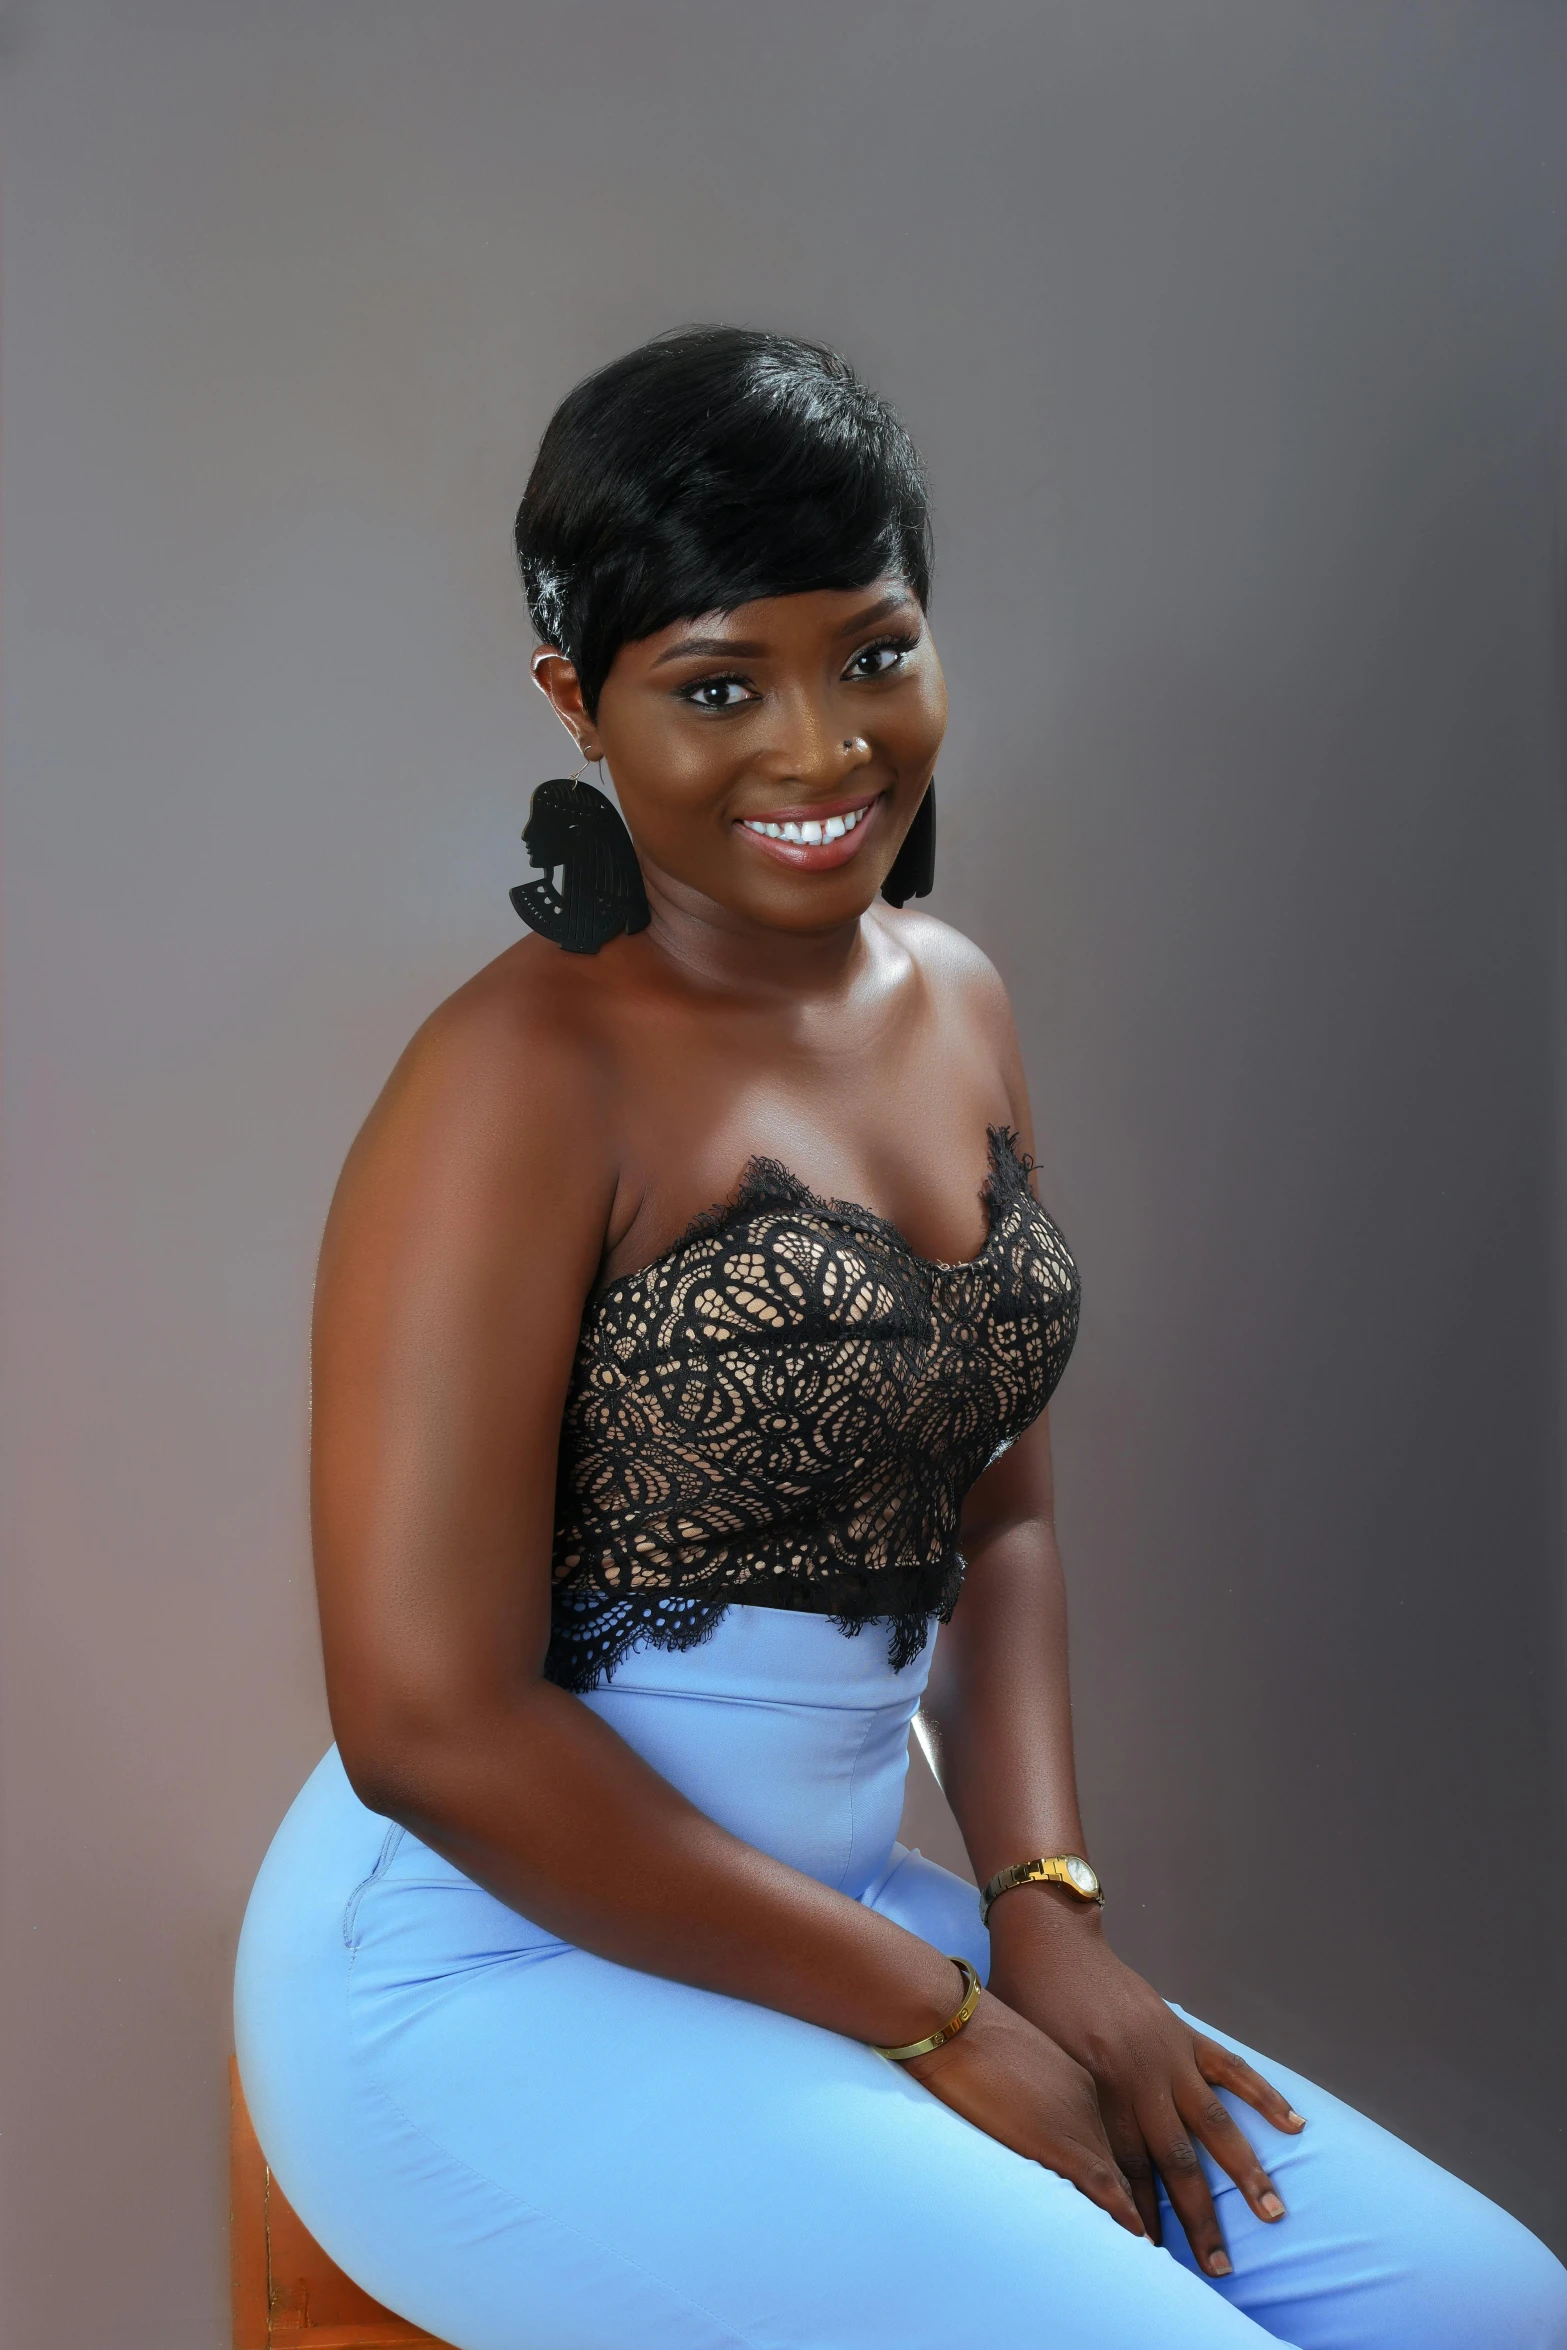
(1056, 1868)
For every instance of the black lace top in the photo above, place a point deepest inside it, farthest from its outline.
(787, 1408)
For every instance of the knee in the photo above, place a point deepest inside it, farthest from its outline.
(1534, 2301)
(1496, 2283)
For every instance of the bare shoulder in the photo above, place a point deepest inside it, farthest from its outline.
(502, 1082)
(973, 1009)
(961, 977)
(529, 1018)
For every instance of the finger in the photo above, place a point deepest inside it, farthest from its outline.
(1180, 2166)
(1226, 2070)
(1214, 2125)
(1091, 2166)
(1126, 2144)
(1093, 2170)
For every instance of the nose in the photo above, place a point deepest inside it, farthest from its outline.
(807, 750)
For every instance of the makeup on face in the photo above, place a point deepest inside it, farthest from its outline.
(770, 757)
(814, 836)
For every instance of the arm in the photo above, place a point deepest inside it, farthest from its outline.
(464, 1235)
(999, 1713)
(998, 1708)
(466, 1231)
(998, 1716)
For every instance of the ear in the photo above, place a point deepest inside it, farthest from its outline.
(557, 679)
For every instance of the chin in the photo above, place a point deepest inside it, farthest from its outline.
(806, 911)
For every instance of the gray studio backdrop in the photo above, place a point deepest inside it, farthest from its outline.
(1233, 333)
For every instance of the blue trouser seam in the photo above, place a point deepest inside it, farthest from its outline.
(854, 1772)
(389, 1843)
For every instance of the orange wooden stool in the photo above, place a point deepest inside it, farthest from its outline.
(287, 2294)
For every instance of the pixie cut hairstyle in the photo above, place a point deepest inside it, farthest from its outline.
(714, 465)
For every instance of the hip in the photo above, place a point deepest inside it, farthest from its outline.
(783, 1729)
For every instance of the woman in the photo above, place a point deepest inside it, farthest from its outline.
(586, 2000)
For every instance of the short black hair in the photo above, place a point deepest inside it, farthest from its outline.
(714, 465)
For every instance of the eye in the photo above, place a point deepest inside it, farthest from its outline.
(716, 693)
(887, 654)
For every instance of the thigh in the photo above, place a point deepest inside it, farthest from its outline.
(1381, 2248)
(617, 2162)
(524, 2147)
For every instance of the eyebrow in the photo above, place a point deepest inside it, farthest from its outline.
(723, 648)
(734, 648)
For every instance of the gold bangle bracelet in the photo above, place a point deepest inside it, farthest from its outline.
(954, 2023)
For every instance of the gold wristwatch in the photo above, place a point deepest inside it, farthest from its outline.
(1060, 1868)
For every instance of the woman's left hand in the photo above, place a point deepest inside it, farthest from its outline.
(1155, 2076)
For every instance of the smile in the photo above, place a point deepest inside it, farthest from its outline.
(812, 840)
(809, 830)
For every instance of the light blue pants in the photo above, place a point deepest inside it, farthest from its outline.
(525, 2147)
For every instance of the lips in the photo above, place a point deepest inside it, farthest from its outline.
(814, 838)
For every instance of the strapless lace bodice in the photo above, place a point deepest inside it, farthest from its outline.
(787, 1408)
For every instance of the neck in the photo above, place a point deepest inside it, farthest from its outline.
(718, 948)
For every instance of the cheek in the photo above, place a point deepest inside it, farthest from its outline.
(668, 777)
(924, 723)
(687, 765)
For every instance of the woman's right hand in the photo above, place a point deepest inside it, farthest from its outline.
(1009, 2079)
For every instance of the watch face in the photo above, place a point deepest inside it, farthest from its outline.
(1082, 1877)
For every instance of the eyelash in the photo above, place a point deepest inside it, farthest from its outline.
(900, 644)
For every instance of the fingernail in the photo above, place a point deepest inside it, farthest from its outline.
(1298, 2119)
(1219, 2265)
(1271, 2205)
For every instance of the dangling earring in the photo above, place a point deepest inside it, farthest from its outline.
(913, 872)
(574, 827)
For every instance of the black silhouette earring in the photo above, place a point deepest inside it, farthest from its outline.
(913, 872)
(575, 829)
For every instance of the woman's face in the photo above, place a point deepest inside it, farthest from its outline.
(772, 757)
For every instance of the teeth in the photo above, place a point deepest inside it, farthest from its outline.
(810, 830)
